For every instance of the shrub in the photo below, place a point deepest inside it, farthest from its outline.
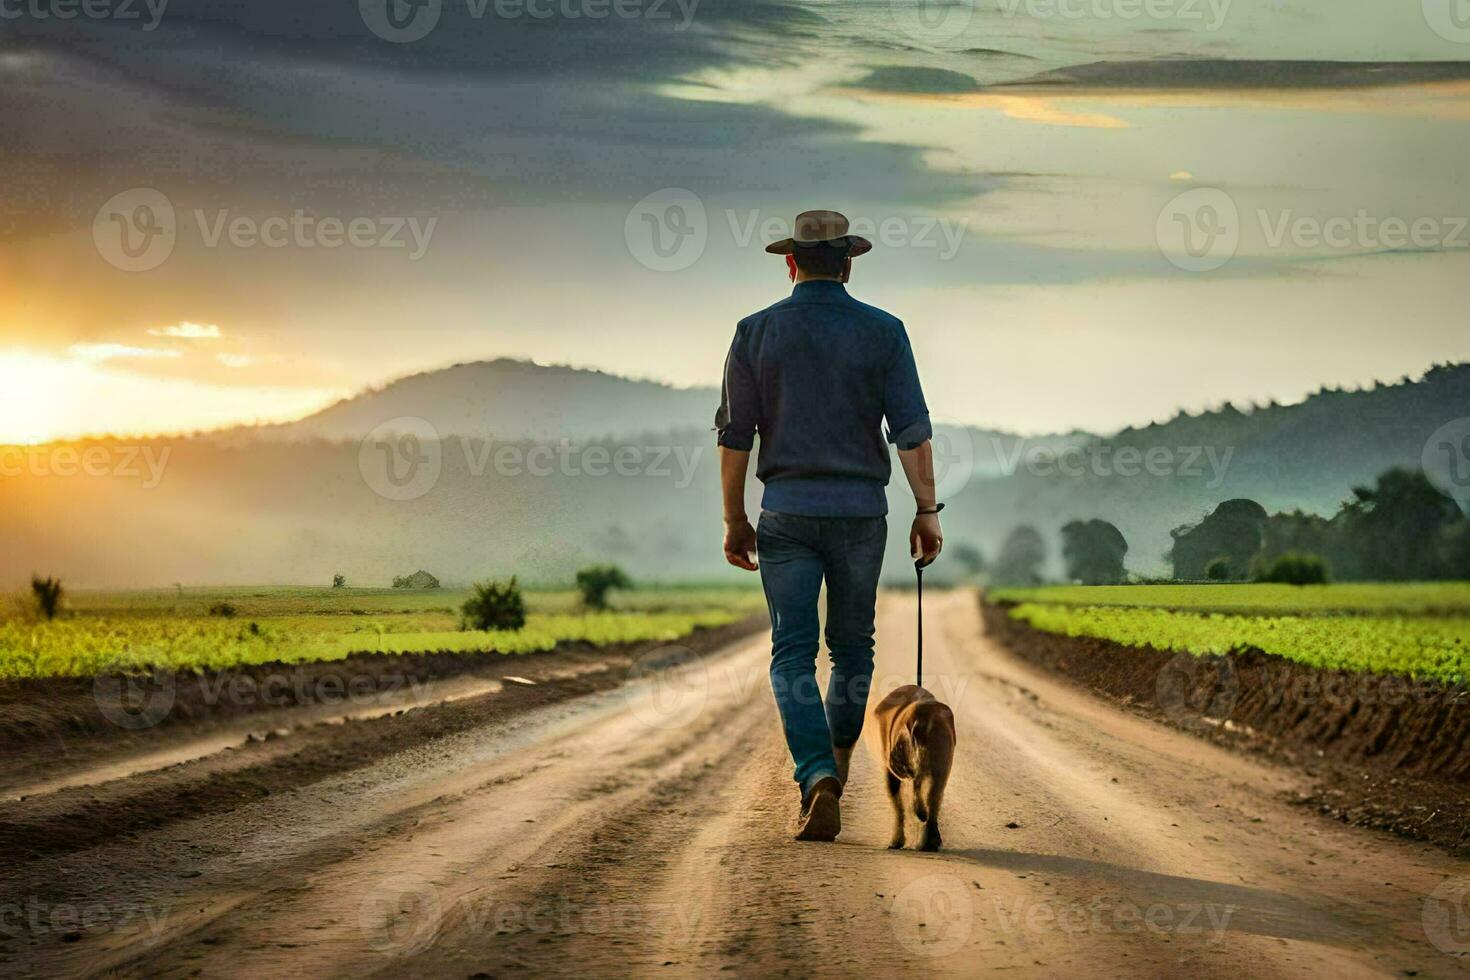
(48, 593)
(1297, 569)
(496, 606)
(1218, 570)
(224, 609)
(596, 581)
(339, 581)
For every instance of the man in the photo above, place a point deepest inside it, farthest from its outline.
(816, 375)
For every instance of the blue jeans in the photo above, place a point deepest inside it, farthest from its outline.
(796, 554)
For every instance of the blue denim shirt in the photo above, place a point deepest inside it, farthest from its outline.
(816, 375)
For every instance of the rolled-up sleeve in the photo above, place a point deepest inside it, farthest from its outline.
(903, 399)
(739, 402)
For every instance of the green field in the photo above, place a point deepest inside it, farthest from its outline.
(1407, 598)
(1418, 630)
(112, 631)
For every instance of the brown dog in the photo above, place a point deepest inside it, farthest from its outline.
(912, 733)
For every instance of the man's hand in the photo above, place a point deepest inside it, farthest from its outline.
(740, 544)
(925, 538)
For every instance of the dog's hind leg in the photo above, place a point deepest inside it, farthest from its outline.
(933, 796)
(895, 796)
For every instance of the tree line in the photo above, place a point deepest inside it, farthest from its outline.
(1399, 529)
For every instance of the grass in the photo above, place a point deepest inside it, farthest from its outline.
(1422, 647)
(1356, 598)
(172, 629)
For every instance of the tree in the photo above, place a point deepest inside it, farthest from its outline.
(1218, 570)
(594, 582)
(1093, 551)
(969, 557)
(496, 605)
(1020, 558)
(1395, 529)
(1234, 531)
(339, 581)
(1297, 569)
(47, 592)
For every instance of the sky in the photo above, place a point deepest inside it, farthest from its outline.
(1088, 213)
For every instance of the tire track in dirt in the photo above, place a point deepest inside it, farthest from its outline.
(648, 831)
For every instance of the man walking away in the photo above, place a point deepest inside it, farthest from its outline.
(817, 375)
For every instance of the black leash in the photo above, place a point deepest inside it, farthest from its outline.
(919, 565)
(919, 571)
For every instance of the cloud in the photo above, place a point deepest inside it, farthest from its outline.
(236, 360)
(188, 331)
(97, 353)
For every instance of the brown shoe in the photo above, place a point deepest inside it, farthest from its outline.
(821, 815)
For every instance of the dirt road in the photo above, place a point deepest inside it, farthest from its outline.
(645, 831)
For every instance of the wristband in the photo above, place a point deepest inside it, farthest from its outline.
(936, 509)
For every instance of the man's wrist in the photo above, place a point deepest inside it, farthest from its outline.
(924, 510)
(740, 518)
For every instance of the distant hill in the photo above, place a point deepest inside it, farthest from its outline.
(512, 399)
(301, 502)
(1306, 455)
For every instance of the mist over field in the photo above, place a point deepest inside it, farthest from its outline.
(508, 467)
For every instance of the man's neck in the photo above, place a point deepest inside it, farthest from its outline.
(802, 277)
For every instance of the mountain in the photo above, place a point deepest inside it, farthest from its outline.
(540, 470)
(510, 400)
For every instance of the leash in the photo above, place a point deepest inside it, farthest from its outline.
(919, 671)
(919, 565)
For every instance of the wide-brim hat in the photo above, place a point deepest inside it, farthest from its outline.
(820, 228)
